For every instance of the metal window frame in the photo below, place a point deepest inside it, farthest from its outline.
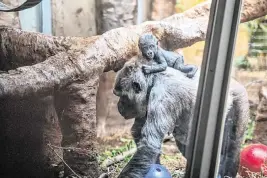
(46, 17)
(37, 18)
(204, 149)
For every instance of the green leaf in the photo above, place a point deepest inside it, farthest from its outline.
(263, 27)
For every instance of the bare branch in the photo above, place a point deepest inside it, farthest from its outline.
(109, 52)
(20, 48)
(50, 75)
(63, 161)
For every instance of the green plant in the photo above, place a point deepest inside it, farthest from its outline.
(242, 62)
(249, 130)
(112, 152)
(258, 31)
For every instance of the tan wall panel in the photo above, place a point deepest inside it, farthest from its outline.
(73, 18)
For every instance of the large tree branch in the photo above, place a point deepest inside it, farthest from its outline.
(20, 48)
(111, 50)
(253, 9)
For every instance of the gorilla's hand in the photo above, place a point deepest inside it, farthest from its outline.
(146, 69)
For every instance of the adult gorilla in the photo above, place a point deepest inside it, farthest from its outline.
(164, 102)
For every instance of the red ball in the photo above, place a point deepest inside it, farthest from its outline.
(253, 158)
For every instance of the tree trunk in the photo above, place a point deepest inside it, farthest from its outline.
(76, 107)
(76, 103)
(42, 127)
(27, 126)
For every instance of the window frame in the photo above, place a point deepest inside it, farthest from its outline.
(203, 153)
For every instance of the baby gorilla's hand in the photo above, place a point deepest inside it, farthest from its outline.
(146, 69)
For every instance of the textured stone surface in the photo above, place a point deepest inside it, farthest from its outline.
(70, 18)
(11, 18)
(115, 13)
(162, 9)
(76, 107)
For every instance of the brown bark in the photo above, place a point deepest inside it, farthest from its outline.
(253, 9)
(77, 112)
(51, 136)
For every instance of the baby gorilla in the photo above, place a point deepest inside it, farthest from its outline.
(164, 102)
(148, 44)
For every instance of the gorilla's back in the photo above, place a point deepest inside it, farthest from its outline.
(236, 90)
(237, 108)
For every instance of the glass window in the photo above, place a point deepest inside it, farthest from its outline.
(219, 118)
(190, 101)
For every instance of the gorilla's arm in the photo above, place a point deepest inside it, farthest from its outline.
(189, 69)
(234, 131)
(158, 123)
(136, 129)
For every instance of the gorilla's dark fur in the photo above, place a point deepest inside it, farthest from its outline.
(164, 102)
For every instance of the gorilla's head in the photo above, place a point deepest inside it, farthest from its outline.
(131, 86)
(148, 44)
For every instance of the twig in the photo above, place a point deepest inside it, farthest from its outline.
(116, 159)
(64, 161)
(253, 82)
(104, 175)
(65, 148)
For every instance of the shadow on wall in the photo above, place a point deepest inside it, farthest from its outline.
(109, 121)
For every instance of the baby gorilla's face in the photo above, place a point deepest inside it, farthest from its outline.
(149, 50)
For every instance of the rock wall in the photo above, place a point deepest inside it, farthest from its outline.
(73, 18)
(162, 9)
(11, 18)
(115, 13)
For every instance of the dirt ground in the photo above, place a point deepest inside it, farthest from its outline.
(171, 157)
